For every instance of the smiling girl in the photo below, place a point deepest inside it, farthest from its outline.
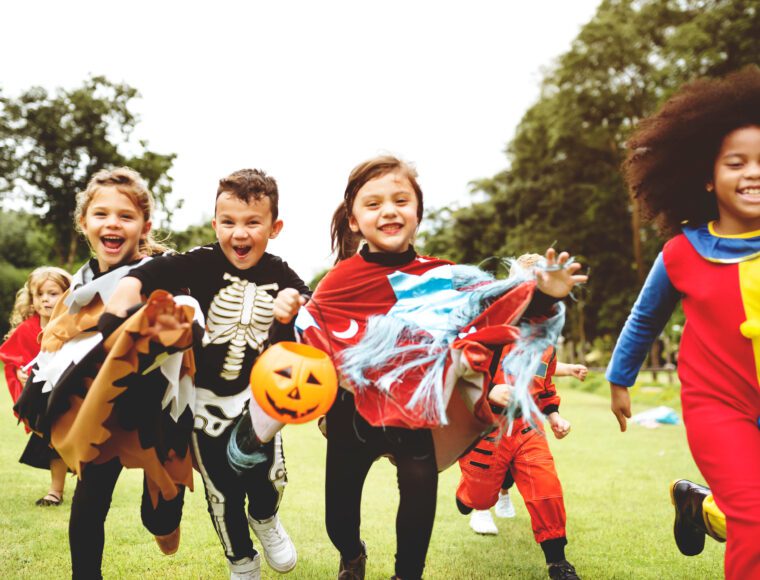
(383, 206)
(31, 312)
(114, 215)
(695, 166)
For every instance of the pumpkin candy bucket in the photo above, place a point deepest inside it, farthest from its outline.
(293, 382)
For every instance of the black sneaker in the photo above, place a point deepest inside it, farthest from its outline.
(354, 569)
(689, 526)
(562, 570)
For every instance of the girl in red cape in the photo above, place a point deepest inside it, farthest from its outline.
(392, 407)
(31, 312)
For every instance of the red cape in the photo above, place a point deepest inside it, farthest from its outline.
(20, 348)
(356, 290)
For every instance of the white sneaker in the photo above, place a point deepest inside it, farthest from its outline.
(279, 551)
(245, 568)
(504, 507)
(482, 523)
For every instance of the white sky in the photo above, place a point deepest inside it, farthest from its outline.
(304, 89)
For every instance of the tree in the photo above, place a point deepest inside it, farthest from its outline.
(50, 145)
(562, 181)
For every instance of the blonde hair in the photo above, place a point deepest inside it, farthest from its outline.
(130, 183)
(23, 308)
(525, 262)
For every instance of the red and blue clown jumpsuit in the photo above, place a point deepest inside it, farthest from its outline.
(718, 281)
(525, 453)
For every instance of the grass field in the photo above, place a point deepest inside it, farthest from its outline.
(619, 513)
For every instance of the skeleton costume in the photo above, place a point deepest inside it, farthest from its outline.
(239, 307)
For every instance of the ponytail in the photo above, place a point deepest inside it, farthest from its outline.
(344, 241)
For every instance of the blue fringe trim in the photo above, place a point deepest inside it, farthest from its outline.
(523, 361)
(382, 346)
(239, 459)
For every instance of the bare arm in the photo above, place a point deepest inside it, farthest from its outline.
(568, 370)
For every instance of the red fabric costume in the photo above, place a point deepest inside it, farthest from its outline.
(20, 348)
(356, 289)
(526, 454)
(718, 368)
(717, 279)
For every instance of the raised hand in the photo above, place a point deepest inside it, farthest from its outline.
(558, 279)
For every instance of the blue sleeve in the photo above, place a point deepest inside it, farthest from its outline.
(648, 316)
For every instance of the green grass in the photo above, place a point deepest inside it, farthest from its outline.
(649, 390)
(619, 514)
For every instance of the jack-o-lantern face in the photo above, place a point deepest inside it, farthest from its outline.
(294, 383)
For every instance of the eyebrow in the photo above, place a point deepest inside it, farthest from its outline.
(233, 216)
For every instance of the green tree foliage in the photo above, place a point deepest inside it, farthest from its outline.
(23, 241)
(11, 280)
(562, 182)
(198, 235)
(50, 145)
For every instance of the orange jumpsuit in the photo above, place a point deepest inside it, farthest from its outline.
(526, 454)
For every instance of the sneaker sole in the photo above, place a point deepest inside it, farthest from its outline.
(282, 569)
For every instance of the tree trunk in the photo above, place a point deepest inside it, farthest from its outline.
(72, 253)
(640, 275)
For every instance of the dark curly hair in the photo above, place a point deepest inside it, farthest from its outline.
(671, 154)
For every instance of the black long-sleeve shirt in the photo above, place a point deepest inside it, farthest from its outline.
(237, 305)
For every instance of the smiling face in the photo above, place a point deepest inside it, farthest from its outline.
(385, 213)
(44, 298)
(244, 229)
(114, 226)
(736, 182)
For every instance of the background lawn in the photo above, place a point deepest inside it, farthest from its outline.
(616, 486)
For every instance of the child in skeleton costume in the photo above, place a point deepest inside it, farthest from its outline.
(35, 302)
(109, 397)
(412, 338)
(241, 289)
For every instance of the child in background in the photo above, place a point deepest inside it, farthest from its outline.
(524, 453)
(695, 166)
(31, 312)
(241, 289)
(481, 521)
(383, 206)
(114, 215)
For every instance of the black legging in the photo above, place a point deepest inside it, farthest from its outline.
(508, 482)
(89, 508)
(352, 447)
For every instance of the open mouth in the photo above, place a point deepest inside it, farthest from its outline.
(112, 243)
(241, 251)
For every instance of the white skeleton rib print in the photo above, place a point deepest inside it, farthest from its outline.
(240, 314)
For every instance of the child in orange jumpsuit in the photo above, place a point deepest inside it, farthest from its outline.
(525, 453)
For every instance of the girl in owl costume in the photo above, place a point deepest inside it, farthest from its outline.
(110, 393)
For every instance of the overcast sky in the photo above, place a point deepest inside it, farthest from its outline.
(304, 90)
